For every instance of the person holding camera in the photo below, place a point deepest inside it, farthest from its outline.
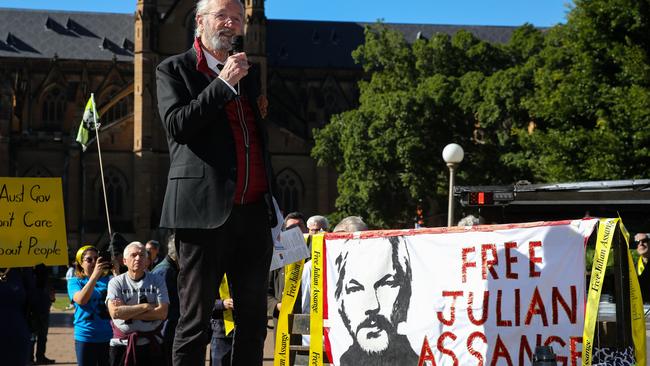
(138, 302)
(87, 290)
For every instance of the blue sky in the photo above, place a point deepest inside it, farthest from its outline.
(466, 12)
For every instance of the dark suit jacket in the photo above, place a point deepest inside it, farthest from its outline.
(203, 168)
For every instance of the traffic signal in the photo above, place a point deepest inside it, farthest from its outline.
(486, 198)
(480, 198)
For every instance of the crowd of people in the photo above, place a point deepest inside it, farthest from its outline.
(129, 317)
(132, 307)
(127, 313)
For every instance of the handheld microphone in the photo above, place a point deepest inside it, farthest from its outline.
(237, 44)
(237, 47)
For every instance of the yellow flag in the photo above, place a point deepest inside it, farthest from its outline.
(89, 123)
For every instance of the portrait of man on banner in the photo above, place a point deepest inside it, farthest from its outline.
(373, 296)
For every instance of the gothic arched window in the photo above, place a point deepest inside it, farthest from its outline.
(6, 102)
(290, 190)
(38, 171)
(117, 110)
(53, 109)
(116, 189)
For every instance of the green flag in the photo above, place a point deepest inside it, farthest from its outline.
(89, 123)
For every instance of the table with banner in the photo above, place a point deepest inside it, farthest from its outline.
(483, 295)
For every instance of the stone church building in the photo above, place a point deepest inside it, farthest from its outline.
(51, 61)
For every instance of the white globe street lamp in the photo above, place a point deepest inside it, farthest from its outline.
(452, 154)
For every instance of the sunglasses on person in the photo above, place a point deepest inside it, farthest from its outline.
(643, 241)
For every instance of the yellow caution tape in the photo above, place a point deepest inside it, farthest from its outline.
(606, 229)
(604, 239)
(292, 277)
(636, 305)
(316, 302)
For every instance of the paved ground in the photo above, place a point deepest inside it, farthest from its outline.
(60, 345)
(60, 342)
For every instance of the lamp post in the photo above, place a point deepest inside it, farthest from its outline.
(452, 154)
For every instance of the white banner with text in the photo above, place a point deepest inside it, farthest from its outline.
(486, 295)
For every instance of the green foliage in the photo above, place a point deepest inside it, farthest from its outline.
(567, 104)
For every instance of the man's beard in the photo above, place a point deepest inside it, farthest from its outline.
(220, 40)
(373, 334)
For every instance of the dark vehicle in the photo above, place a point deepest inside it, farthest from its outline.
(628, 199)
(525, 202)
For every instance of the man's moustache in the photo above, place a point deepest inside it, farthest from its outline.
(225, 33)
(375, 321)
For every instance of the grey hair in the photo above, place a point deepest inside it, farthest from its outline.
(471, 220)
(403, 275)
(134, 244)
(171, 247)
(350, 224)
(320, 221)
(201, 7)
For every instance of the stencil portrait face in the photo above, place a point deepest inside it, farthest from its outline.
(373, 284)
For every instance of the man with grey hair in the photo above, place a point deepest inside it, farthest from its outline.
(350, 224)
(137, 301)
(374, 296)
(317, 223)
(220, 183)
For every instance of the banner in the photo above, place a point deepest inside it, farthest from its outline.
(32, 222)
(89, 123)
(604, 240)
(316, 302)
(484, 295)
(292, 278)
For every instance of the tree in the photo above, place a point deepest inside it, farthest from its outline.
(591, 100)
(570, 103)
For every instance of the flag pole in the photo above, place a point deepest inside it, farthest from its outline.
(101, 166)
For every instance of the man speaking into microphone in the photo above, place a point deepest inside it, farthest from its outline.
(219, 189)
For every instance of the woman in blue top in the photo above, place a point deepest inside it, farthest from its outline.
(87, 289)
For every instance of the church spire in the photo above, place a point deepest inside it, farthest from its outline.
(255, 40)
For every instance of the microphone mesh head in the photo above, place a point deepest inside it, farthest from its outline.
(237, 44)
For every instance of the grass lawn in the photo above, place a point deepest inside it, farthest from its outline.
(61, 301)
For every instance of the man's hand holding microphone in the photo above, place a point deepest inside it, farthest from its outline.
(236, 65)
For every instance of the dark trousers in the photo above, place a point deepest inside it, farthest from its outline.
(91, 354)
(242, 248)
(220, 351)
(168, 332)
(145, 355)
(41, 323)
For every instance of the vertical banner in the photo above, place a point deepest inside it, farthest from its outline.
(316, 302)
(604, 240)
(485, 295)
(32, 222)
(292, 277)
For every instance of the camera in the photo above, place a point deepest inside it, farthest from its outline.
(105, 257)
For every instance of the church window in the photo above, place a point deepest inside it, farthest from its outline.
(53, 108)
(117, 110)
(290, 190)
(37, 171)
(116, 188)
